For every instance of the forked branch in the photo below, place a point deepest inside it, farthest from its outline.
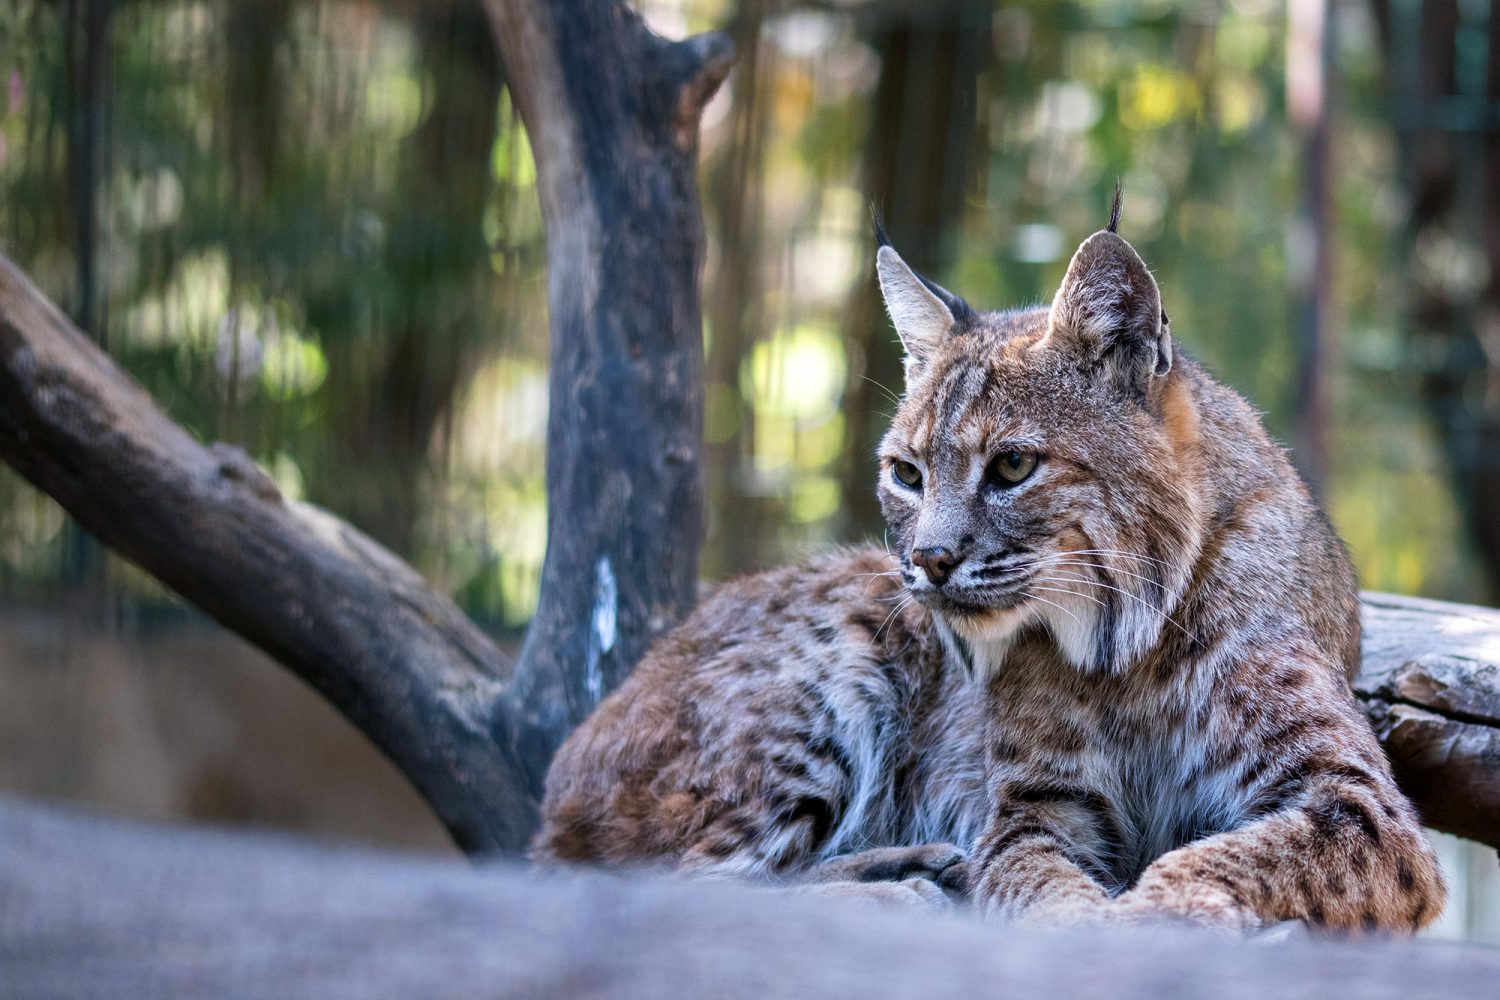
(612, 111)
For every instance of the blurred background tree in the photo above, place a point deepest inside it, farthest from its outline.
(310, 228)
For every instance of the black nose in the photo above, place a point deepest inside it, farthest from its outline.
(937, 563)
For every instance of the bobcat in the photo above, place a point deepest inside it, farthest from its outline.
(1104, 676)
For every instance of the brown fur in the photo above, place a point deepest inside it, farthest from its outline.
(1119, 685)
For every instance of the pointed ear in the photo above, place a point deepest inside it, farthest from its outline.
(1108, 312)
(921, 311)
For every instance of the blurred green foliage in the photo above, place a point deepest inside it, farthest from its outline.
(318, 237)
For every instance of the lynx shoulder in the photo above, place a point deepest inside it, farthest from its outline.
(1108, 657)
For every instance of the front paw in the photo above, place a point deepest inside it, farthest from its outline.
(1199, 906)
(1069, 912)
(911, 894)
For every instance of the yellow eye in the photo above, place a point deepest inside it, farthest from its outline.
(1012, 467)
(906, 474)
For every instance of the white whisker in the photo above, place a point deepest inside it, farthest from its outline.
(889, 394)
(1060, 561)
(1113, 552)
(1058, 606)
(1144, 603)
(1070, 593)
(892, 616)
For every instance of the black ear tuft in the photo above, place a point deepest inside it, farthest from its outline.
(1108, 310)
(1114, 211)
(961, 310)
(881, 239)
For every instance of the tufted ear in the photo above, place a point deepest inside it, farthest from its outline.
(923, 312)
(1108, 312)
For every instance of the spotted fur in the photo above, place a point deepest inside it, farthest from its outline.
(1119, 684)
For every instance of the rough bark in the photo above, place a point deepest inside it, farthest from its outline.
(1310, 81)
(918, 166)
(1431, 687)
(1449, 146)
(612, 112)
(95, 909)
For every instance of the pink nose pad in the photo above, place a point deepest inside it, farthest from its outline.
(937, 562)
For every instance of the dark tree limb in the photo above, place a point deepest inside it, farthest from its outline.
(401, 661)
(612, 113)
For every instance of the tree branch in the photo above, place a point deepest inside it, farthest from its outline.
(402, 662)
(612, 112)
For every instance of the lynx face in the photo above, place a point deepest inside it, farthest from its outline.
(1031, 476)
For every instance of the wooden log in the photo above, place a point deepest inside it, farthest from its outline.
(1430, 684)
(90, 908)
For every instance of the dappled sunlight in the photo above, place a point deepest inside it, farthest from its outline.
(490, 530)
(1156, 96)
(795, 382)
(291, 365)
(31, 531)
(190, 307)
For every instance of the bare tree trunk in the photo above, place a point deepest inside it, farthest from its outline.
(917, 168)
(86, 35)
(1310, 79)
(387, 408)
(737, 306)
(612, 112)
(1486, 482)
(1450, 148)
